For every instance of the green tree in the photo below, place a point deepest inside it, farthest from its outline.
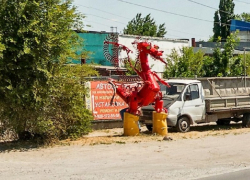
(185, 63)
(36, 39)
(243, 17)
(217, 61)
(209, 69)
(145, 26)
(247, 64)
(223, 62)
(237, 67)
(223, 19)
(228, 54)
(216, 29)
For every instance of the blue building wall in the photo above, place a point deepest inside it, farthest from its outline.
(93, 41)
(239, 25)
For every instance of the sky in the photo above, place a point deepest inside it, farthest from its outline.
(184, 19)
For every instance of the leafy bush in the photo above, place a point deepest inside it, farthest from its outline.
(61, 114)
(64, 113)
(39, 94)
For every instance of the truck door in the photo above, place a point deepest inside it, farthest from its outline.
(194, 104)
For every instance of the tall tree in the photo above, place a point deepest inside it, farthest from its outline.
(145, 26)
(216, 29)
(223, 63)
(226, 13)
(36, 39)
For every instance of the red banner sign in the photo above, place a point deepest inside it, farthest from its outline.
(99, 98)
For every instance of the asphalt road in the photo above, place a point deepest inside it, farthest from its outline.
(238, 175)
(214, 156)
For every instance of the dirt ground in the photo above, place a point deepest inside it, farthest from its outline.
(115, 135)
(107, 154)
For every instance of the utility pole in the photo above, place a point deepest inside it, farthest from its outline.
(245, 67)
(112, 29)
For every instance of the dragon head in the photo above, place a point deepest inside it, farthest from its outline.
(152, 50)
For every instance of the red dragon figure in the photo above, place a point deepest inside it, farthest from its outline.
(150, 92)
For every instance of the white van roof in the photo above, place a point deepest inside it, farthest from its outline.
(182, 81)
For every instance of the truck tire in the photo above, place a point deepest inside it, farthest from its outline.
(149, 127)
(219, 122)
(223, 122)
(226, 122)
(246, 120)
(183, 124)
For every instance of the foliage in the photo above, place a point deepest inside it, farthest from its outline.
(184, 63)
(64, 114)
(216, 28)
(246, 63)
(145, 26)
(222, 19)
(2, 47)
(243, 17)
(208, 67)
(227, 55)
(130, 70)
(36, 41)
(223, 61)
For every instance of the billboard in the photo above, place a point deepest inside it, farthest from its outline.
(98, 101)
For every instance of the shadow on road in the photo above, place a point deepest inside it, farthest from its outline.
(18, 146)
(211, 127)
(215, 127)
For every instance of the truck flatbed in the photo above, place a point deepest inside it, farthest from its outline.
(215, 104)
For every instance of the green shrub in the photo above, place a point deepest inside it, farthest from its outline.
(39, 95)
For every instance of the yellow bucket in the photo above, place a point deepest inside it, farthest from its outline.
(159, 123)
(130, 124)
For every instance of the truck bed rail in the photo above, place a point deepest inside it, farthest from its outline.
(227, 103)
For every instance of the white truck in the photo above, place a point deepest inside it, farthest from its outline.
(204, 100)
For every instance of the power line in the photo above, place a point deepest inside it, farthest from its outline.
(209, 7)
(128, 18)
(102, 11)
(184, 32)
(97, 23)
(156, 10)
(242, 1)
(225, 24)
(105, 18)
(165, 11)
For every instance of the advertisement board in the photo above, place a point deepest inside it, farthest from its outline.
(98, 101)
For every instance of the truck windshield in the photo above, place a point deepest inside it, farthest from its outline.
(175, 89)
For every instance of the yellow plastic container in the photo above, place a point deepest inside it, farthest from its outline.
(130, 124)
(159, 123)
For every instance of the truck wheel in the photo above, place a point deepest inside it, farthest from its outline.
(149, 127)
(183, 124)
(227, 122)
(246, 120)
(219, 122)
(223, 122)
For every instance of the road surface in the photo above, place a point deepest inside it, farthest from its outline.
(132, 158)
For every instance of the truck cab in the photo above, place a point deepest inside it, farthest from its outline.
(185, 103)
